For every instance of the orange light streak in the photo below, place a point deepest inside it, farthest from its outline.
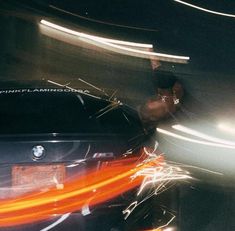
(91, 189)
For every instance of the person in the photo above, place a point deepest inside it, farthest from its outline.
(169, 93)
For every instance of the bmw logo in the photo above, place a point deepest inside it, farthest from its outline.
(38, 152)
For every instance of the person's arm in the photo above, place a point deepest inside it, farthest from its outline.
(155, 63)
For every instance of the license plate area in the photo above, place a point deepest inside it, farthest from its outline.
(27, 178)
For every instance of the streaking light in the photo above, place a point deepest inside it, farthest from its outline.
(202, 135)
(123, 47)
(154, 175)
(160, 229)
(80, 34)
(163, 131)
(53, 225)
(157, 179)
(146, 54)
(91, 189)
(205, 10)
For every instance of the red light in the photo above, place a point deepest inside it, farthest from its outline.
(94, 188)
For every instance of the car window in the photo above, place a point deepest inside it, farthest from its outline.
(118, 121)
(42, 113)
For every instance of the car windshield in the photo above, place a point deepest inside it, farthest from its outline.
(42, 113)
(37, 111)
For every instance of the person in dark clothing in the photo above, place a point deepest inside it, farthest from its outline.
(169, 92)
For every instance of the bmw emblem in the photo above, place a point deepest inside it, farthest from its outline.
(38, 152)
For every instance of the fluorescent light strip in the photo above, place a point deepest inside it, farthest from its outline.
(205, 10)
(202, 135)
(80, 34)
(113, 44)
(193, 140)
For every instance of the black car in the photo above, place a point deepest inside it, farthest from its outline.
(50, 135)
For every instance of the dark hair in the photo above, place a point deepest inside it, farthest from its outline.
(163, 79)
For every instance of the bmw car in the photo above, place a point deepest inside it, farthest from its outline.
(48, 136)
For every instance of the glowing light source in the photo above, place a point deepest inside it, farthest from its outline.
(226, 127)
(162, 229)
(205, 10)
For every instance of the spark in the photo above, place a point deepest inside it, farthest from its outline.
(93, 86)
(153, 152)
(158, 178)
(111, 106)
(164, 227)
(154, 175)
(85, 92)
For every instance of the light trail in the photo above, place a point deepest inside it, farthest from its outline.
(148, 54)
(93, 188)
(168, 133)
(54, 224)
(162, 229)
(83, 35)
(154, 175)
(202, 135)
(156, 180)
(205, 10)
(119, 46)
(98, 186)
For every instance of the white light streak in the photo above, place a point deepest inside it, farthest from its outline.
(193, 140)
(134, 49)
(151, 153)
(148, 54)
(80, 34)
(60, 220)
(169, 229)
(155, 175)
(202, 135)
(156, 180)
(205, 10)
